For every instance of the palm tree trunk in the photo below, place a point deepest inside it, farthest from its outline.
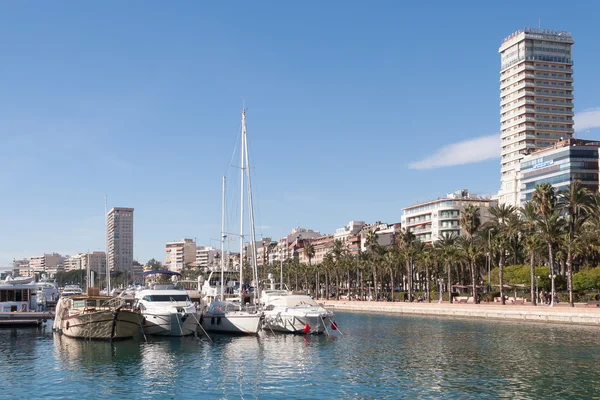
(375, 282)
(427, 282)
(551, 262)
(570, 274)
(501, 277)
(409, 268)
(532, 268)
(474, 282)
(337, 289)
(349, 282)
(449, 284)
(392, 281)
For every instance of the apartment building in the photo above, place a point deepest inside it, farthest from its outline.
(536, 106)
(207, 257)
(349, 231)
(119, 233)
(47, 263)
(386, 234)
(180, 254)
(435, 219)
(322, 245)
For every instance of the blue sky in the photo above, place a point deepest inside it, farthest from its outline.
(346, 101)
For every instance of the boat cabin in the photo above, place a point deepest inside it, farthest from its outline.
(18, 297)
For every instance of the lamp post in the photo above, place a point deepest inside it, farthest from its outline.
(552, 277)
(537, 292)
(441, 282)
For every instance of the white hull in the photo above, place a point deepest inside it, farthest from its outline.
(170, 324)
(107, 325)
(240, 322)
(296, 321)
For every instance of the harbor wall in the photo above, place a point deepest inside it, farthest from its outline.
(579, 315)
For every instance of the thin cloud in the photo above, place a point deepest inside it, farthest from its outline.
(588, 119)
(488, 147)
(466, 152)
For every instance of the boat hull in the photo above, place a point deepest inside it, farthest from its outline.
(102, 325)
(170, 324)
(295, 322)
(236, 322)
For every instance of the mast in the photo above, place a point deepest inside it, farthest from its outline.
(242, 159)
(251, 207)
(222, 236)
(106, 245)
(281, 267)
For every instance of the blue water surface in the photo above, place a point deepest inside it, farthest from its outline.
(378, 357)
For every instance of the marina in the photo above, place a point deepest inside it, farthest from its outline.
(379, 356)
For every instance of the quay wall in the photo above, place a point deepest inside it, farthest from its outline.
(579, 315)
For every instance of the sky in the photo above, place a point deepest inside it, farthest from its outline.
(355, 110)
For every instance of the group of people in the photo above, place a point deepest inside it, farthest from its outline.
(546, 297)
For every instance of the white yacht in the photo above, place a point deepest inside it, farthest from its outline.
(18, 295)
(47, 294)
(167, 310)
(284, 311)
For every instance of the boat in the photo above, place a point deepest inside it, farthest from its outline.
(47, 294)
(226, 316)
(15, 296)
(71, 290)
(285, 311)
(19, 280)
(166, 309)
(96, 317)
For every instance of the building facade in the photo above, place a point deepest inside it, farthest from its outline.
(386, 234)
(51, 262)
(439, 218)
(207, 257)
(536, 92)
(348, 232)
(180, 254)
(119, 234)
(559, 165)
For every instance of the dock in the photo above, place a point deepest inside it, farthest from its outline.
(17, 318)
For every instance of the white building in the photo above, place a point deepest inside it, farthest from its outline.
(435, 219)
(301, 233)
(180, 254)
(536, 91)
(345, 233)
(207, 257)
(119, 231)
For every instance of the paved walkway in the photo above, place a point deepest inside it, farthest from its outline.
(561, 313)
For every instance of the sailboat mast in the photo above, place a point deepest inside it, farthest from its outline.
(281, 267)
(106, 245)
(252, 230)
(242, 172)
(222, 237)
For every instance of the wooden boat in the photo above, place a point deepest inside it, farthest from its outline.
(96, 317)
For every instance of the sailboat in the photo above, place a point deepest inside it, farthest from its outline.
(236, 316)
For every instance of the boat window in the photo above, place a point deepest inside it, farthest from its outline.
(3, 295)
(167, 297)
(11, 295)
(78, 303)
(18, 295)
(91, 303)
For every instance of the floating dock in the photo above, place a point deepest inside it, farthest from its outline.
(24, 318)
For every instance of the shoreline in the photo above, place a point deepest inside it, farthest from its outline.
(563, 314)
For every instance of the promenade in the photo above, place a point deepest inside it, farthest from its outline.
(560, 313)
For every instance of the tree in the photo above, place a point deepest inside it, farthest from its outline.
(372, 246)
(575, 203)
(154, 265)
(500, 216)
(446, 247)
(406, 244)
(544, 198)
(532, 243)
(309, 252)
(470, 222)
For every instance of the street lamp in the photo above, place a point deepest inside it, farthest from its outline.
(537, 292)
(441, 282)
(552, 276)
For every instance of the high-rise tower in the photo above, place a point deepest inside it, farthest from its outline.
(536, 91)
(119, 232)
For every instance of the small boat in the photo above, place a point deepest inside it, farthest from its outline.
(96, 317)
(284, 311)
(167, 310)
(19, 280)
(71, 290)
(230, 317)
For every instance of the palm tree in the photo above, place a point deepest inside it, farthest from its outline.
(446, 246)
(544, 198)
(500, 215)
(338, 252)
(575, 202)
(390, 259)
(406, 244)
(427, 257)
(309, 252)
(372, 246)
(470, 222)
(532, 243)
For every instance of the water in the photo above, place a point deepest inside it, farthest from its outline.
(379, 356)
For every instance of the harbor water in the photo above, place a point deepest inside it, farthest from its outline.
(378, 357)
